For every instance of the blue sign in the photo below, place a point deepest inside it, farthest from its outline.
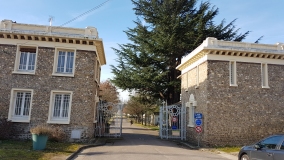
(174, 127)
(198, 115)
(198, 122)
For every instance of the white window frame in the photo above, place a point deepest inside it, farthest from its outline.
(95, 110)
(264, 75)
(13, 100)
(187, 80)
(197, 76)
(18, 58)
(191, 110)
(233, 73)
(59, 120)
(97, 71)
(55, 65)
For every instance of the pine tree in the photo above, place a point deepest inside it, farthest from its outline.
(166, 30)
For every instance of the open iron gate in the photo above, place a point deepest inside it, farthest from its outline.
(109, 119)
(172, 122)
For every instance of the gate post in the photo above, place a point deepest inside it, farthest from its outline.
(161, 121)
(121, 118)
(167, 119)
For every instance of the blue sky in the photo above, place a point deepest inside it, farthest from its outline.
(261, 17)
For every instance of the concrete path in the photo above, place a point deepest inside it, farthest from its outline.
(143, 144)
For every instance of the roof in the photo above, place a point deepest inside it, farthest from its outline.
(214, 49)
(85, 37)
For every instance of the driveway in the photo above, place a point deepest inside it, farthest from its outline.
(138, 143)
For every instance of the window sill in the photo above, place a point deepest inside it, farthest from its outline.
(19, 120)
(190, 125)
(23, 72)
(265, 86)
(97, 99)
(58, 122)
(63, 75)
(233, 85)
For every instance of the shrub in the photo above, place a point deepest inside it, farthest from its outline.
(42, 130)
(57, 135)
(5, 128)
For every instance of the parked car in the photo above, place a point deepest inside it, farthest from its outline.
(270, 148)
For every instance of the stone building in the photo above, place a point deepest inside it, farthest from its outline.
(50, 75)
(238, 87)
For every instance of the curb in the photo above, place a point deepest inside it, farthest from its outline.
(85, 147)
(223, 154)
(190, 146)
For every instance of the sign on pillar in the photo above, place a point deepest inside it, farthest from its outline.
(198, 122)
(198, 129)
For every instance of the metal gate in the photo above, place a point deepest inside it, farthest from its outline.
(172, 122)
(109, 119)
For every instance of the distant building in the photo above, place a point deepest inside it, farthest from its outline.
(238, 87)
(50, 75)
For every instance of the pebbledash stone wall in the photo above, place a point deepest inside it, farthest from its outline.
(248, 112)
(82, 84)
(237, 115)
(199, 90)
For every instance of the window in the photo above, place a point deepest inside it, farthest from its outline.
(25, 60)
(97, 71)
(187, 80)
(20, 105)
(233, 73)
(60, 107)
(64, 62)
(197, 76)
(264, 75)
(282, 146)
(190, 114)
(271, 142)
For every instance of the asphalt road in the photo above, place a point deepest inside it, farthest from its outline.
(143, 144)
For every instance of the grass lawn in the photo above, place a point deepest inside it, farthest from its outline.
(230, 149)
(155, 128)
(23, 150)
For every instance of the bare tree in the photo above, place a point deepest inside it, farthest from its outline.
(108, 92)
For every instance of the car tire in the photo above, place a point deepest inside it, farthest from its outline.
(244, 157)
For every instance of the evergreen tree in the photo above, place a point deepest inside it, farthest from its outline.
(166, 30)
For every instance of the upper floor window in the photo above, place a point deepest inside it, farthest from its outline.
(60, 107)
(197, 76)
(25, 60)
(233, 73)
(64, 62)
(20, 105)
(97, 71)
(264, 75)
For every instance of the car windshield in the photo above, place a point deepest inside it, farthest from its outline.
(270, 142)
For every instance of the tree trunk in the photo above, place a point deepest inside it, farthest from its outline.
(173, 93)
(145, 119)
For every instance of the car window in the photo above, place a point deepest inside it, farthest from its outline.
(271, 142)
(282, 146)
